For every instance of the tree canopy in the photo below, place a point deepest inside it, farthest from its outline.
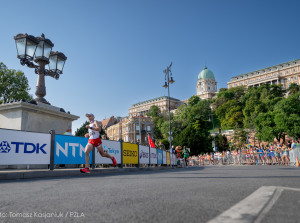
(14, 85)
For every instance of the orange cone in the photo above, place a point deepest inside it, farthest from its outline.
(297, 163)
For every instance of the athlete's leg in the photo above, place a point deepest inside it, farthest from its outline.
(89, 147)
(102, 153)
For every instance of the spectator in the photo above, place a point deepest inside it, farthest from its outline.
(68, 132)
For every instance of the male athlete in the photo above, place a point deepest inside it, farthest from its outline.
(94, 141)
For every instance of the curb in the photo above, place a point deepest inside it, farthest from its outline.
(70, 173)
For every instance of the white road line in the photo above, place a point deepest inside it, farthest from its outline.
(248, 209)
(269, 205)
(254, 207)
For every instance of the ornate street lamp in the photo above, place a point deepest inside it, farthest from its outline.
(38, 49)
(169, 80)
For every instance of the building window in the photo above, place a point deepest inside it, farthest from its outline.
(282, 81)
(137, 128)
(246, 82)
(294, 70)
(289, 79)
(287, 72)
(295, 78)
(208, 88)
(148, 128)
(235, 85)
(280, 73)
(231, 85)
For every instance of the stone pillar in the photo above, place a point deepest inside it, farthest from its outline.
(34, 118)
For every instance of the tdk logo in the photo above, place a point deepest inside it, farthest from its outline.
(4, 147)
(25, 147)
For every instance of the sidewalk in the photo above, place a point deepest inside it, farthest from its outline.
(44, 173)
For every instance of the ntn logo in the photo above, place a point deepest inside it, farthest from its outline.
(72, 146)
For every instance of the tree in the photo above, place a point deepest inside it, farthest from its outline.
(287, 115)
(191, 126)
(158, 120)
(293, 88)
(239, 137)
(14, 85)
(221, 142)
(82, 130)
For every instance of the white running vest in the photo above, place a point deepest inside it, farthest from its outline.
(92, 133)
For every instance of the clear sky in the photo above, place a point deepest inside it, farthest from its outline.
(117, 50)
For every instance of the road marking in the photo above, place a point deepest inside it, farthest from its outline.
(254, 207)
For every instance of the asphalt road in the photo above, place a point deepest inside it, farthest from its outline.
(176, 195)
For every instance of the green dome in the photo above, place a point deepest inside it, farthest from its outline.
(206, 74)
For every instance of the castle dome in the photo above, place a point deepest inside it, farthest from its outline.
(206, 74)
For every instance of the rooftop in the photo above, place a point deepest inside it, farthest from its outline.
(153, 100)
(265, 70)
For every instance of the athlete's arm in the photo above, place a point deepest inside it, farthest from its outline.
(98, 127)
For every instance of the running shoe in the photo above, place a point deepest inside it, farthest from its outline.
(85, 170)
(114, 161)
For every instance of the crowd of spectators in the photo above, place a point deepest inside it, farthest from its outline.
(272, 154)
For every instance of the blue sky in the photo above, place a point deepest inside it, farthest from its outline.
(117, 50)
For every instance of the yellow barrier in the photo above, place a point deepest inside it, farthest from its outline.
(130, 153)
(168, 158)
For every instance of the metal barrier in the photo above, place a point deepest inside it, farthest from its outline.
(31, 148)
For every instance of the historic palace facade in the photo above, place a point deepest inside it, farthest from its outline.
(142, 108)
(131, 129)
(285, 74)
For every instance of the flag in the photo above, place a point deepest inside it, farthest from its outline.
(151, 144)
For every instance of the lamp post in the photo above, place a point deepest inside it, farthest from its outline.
(32, 49)
(212, 120)
(169, 80)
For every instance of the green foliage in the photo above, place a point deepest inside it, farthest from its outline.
(190, 126)
(287, 115)
(221, 142)
(239, 138)
(263, 108)
(14, 85)
(294, 88)
(82, 130)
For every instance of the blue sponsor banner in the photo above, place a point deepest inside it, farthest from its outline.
(159, 156)
(70, 150)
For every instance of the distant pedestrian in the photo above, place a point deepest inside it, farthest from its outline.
(68, 132)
